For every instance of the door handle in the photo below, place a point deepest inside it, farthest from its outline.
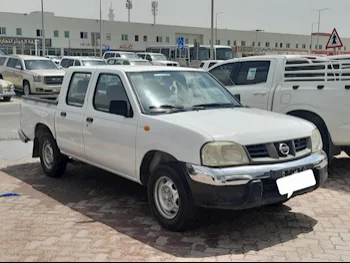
(262, 93)
(320, 87)
(89, 120)
(63, 114)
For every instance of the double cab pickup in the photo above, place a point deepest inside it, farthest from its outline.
(180, 133)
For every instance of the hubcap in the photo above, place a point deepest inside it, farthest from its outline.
(48, 156)
(167, 198)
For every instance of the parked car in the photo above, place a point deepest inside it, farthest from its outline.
(158, 59)
(206, 65)
(55, 59)
(31, 74)
(180, 133)
(7, 90)
(306, 86)
(131, 62)
(120, 54)
(67, 62)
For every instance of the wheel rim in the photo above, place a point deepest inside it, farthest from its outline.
(26, 90)
(167, 198)
(48, 156)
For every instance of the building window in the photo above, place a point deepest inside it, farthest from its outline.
(19, 31)
(83, 35)
(320, 47)
(243, 43)
(66, 34)
(56, 33)
(39, 33)
(186, 41)
(209, 41)
(136, 38)
(2, 30)
(276, 45)
(267, 44)
(288, 45)
(281, 45)
(229, 42)
(125, 37)
(218, 42)
(315, 46)
(253, 44)
(297, 46)
(167, 39)
(235, 43)
(259, 44)
(159, 39)
(144, 38)
(108, 36)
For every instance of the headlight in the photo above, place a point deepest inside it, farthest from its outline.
(12, 88)
(316, 141)
(218, 154)
(37, 78)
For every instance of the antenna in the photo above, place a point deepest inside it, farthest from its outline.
(129, 7)
(111, 13)
(154, 10)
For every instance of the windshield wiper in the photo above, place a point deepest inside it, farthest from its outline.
(167, 106)
(214, 105)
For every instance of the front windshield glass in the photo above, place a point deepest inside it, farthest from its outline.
(129, 56)
(39, 64)
(143, 63)
(94, 62)
(224, 53)
(158, 57)
(186, 90)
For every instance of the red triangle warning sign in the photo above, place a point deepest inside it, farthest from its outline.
(334, 40)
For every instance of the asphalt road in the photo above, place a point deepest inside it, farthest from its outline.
(9, 119)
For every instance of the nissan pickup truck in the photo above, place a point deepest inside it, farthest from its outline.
(312, 88)
(180, 133)
(32, 75)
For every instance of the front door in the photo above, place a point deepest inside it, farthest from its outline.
(110, 139)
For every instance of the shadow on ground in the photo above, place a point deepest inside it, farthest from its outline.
(122, 205)
(339, 175)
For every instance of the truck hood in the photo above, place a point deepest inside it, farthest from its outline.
(48, 72)
(242, 125)
(4, 83)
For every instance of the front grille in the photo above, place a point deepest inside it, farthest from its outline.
(279, 151)
(53, 80)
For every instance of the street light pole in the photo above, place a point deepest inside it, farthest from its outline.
(100, 28)
(216, 27)
(43, 29)
(212, 31)
(319, 24)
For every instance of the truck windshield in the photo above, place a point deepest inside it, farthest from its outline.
(129, 56)
(94, 62)
(158, 57)
(160, 91)
(39, 64)
(224, 53)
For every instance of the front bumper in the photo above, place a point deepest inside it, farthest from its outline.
(249, 186)
(7, 94)
(40, 87)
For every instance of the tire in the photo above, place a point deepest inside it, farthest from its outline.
(7, 99)
(347, 151)
(187, 212)
(54, 164)
(26, 88)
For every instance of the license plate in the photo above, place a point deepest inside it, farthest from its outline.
(296, 182)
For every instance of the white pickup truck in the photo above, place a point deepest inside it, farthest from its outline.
(178, 132)
(308, 87)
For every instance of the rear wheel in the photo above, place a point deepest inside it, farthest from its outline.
(53, 162)
(170, 198)
(26, 88)
(7, 99)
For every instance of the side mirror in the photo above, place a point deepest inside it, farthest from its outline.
(118, 107)
(18, 67)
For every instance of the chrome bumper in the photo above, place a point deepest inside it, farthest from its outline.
(244, 174)
(7, 94)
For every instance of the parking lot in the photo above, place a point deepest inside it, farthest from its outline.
(91, 215)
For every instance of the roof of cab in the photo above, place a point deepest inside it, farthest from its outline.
(27, 57)
(135, 68)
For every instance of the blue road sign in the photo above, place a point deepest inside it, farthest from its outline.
(108, 48)
(181, 43)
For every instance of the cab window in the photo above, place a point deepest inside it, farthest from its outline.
(77, 89)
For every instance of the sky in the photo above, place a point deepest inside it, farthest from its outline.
(281, 16)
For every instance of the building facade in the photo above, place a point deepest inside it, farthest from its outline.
(21, 34)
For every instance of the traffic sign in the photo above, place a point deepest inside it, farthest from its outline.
(334, 40)
(181, 43)
(108, 48)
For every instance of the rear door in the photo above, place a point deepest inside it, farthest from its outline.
(254, 80)
(225, 74)
(70, 115)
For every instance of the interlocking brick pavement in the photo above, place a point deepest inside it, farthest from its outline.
(91, 215)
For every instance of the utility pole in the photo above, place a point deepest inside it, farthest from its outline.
(100, 28)
(319, 24)
(212, 31)
(43, 29)
(216, 27)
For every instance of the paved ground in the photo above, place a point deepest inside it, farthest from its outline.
(9, 119)
(94, 216)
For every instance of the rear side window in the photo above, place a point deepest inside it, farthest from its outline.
(11, 63)
(77, 89)
(253, 72)
(201, 65)
(64, 63)
(77, 63)
(223, 73)
(2, 60)
(70, 63)
(212, 64)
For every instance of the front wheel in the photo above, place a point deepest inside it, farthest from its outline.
(26, 88)
(52, 161)
(170, 198)
(7, 99)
